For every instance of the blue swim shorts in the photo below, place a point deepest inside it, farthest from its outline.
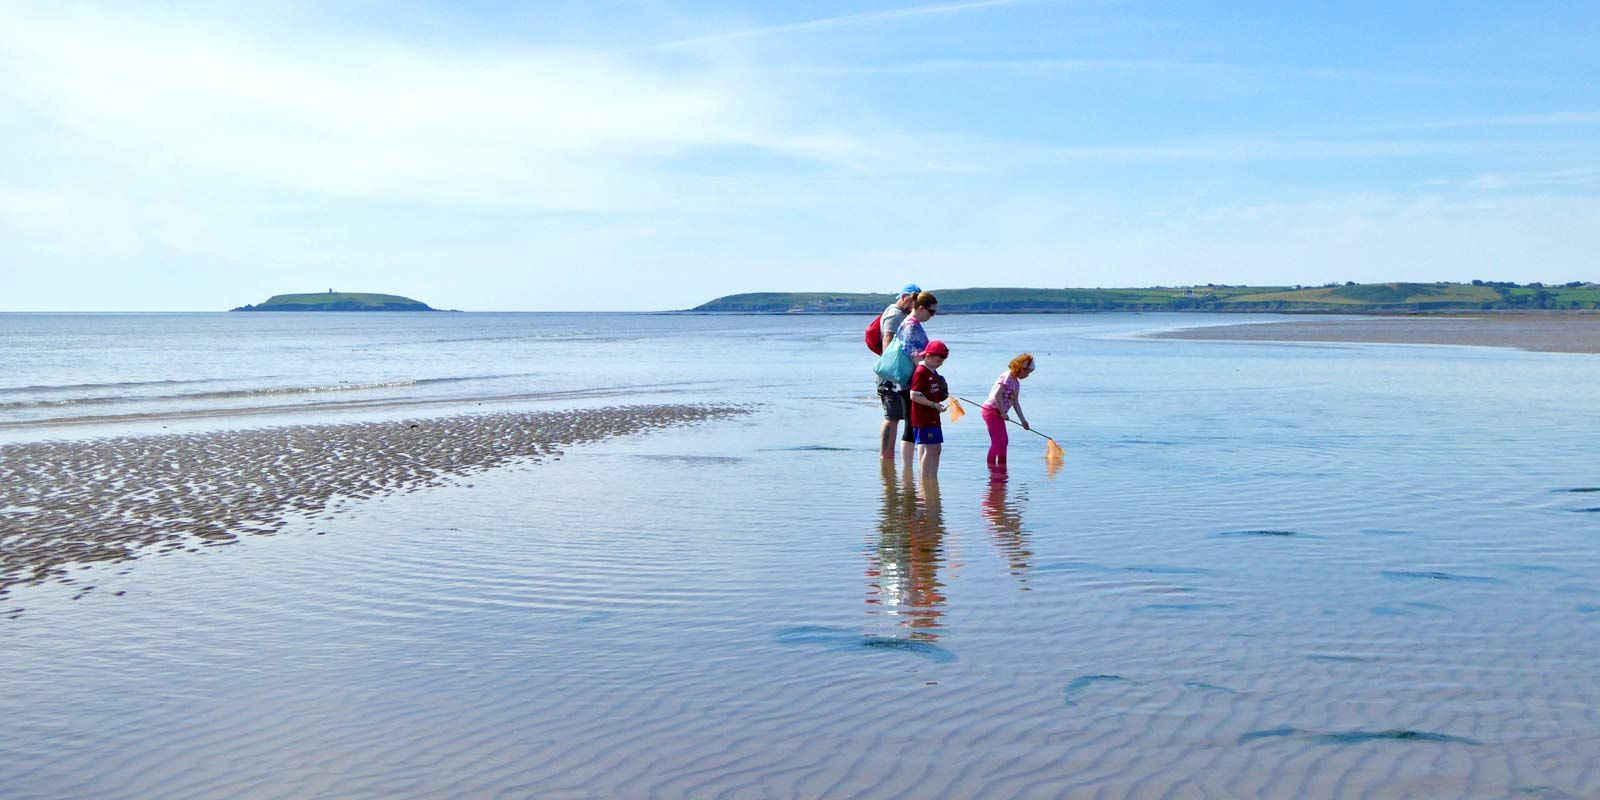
(928, 435)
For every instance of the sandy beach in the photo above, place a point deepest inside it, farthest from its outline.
(1549, 333)
(109, 500)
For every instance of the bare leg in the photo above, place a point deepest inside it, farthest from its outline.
(886, 437)
(930, 461)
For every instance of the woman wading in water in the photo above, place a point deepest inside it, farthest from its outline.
(914, 340)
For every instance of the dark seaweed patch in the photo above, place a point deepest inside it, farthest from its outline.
(1386, 532)
(1584, 510)
(1435, 576)
(1397, 735)
(1209, 687)
(1581, 490)
(813, 634)
(1341, 659)
(838, 639)
(1062, 566)
(1281, 534)
(1081, 683)
(1179, 607)
(927, 650)
(1588, 609)
(1267, 734)
(1170, 570)
(1541, 791)
(1539, 568)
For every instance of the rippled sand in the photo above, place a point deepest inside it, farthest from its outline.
(1549, 333)
(108, 500)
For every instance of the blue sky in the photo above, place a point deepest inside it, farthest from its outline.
(655, 154)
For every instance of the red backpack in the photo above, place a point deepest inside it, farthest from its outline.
(875, 335)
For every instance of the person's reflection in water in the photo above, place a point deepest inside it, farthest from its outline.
(903, 574)
(1005, 521)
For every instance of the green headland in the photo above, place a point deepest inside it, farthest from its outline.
(338, 301)
(1349, 298)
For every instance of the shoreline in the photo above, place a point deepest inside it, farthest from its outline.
(69, 503)
(1542, 333)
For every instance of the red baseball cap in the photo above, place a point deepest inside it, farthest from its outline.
(936, 348)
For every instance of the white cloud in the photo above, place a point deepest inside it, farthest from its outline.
(370, 119)
(839, 21)
(93, 220)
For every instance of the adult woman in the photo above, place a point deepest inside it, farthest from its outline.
(914, 340)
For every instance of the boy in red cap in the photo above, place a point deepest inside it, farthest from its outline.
(928, 393)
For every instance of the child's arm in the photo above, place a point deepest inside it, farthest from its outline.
(1017, 404)
(921, 399)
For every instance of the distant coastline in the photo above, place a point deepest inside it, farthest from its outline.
(1543, 333)
(1348, 298)
(338, 301)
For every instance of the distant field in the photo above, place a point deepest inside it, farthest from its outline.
(1385, 294)
(1350, 298)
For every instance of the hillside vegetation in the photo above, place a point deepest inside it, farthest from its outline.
(338, 301)
(1347, 298)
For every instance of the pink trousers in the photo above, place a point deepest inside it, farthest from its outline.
(998, 439)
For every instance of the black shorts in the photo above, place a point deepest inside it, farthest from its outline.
(896, 404)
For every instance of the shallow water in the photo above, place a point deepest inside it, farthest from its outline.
(1263, 570)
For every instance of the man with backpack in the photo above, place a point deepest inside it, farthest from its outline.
(896, 401)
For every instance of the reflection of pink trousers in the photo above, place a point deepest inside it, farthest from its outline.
(997, 438)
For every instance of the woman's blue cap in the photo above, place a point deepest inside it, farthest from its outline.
(911, 288)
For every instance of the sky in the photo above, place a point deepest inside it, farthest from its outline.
(599, 155)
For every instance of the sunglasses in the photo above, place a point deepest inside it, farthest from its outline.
(932, 310)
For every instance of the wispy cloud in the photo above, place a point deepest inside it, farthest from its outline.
(1280, 150)
(1502, 181)
(841, 21)
(1543, 119)
(1024, 67)
(1221, 71)
(368, 118)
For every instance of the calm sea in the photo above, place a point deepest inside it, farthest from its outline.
(1263, 571)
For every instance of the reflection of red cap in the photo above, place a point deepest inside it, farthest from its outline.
(936, 348)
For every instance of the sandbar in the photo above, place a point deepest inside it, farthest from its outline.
(1547, 333)
(66, 503)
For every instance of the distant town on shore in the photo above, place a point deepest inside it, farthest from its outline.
(1350, 298)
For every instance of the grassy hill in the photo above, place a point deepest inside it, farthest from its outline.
(1349, 298)
(338, 301)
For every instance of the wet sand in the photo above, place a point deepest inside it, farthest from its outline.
(111, 500)
(1548, 333)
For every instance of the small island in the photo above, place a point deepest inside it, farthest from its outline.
(338, 301)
